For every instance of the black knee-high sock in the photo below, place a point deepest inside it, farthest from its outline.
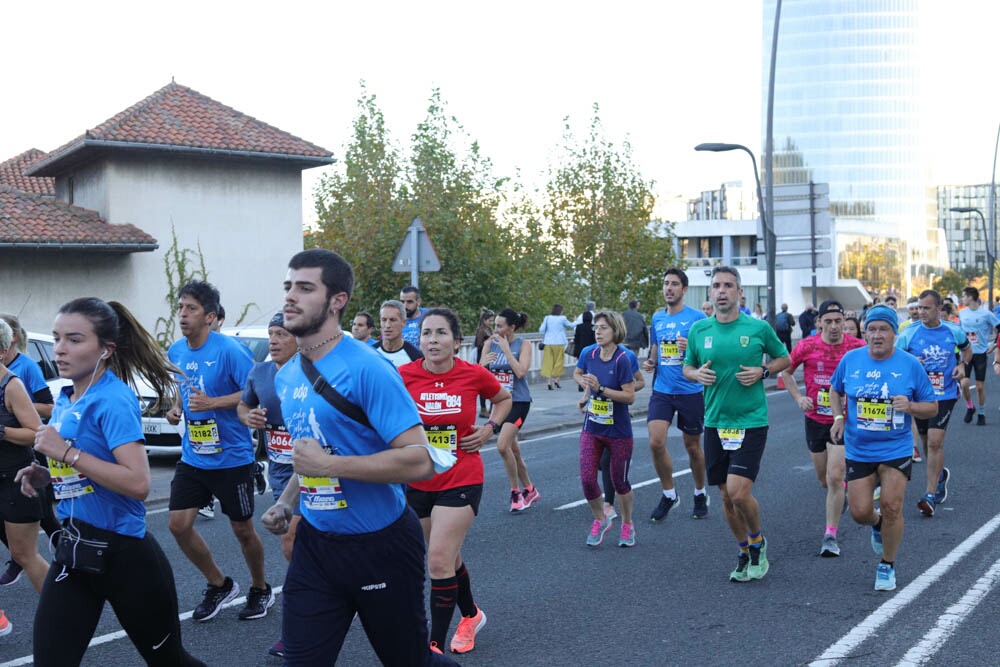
(465, 602)
(444, 593)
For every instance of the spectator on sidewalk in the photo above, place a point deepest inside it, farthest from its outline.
(636, 333)
(783, 325)
(807, 320)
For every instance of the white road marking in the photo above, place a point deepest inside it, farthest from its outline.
(949, 621)
(634, 486)
(842, 648)
(120, 634)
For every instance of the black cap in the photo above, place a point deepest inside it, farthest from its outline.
(277, 321)
(830, 306)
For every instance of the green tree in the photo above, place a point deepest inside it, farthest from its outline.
(180, 265)
(451, 187)
(599, 200)
(951, 282)
(361, 208)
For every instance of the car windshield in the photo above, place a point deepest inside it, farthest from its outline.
(258, 347)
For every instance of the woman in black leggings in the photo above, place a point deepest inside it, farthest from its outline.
(98, 467)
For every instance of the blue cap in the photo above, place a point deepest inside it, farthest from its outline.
(885, 314)
(277, 321)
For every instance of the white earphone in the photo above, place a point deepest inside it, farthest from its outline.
(106, 354)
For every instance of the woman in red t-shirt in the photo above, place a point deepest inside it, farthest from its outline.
(445, 389)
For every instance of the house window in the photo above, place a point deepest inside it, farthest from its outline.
(69, 190)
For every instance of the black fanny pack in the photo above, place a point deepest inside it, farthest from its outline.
(83, 548)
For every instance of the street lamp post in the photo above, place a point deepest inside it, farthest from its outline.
(769, 239)
(990, 245)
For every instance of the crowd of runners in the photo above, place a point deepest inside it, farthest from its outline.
(376, 469)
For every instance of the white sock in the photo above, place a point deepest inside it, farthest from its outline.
(699, 492)
(671, 494)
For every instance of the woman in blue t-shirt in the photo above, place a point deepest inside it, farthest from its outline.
(606, 372)
(98, 467)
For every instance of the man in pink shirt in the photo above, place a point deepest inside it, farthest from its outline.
(819, 356)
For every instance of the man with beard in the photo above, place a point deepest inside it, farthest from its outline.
(675, 399)
(358, 548)
(410, 296)
(217, 457)
(393, 346)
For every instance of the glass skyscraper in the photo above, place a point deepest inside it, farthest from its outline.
(847, 112)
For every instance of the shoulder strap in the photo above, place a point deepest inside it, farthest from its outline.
(332, 396)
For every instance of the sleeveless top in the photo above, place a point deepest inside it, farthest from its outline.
(12, 457)
(518, 387)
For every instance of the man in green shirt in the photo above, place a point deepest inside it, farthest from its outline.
(725, 354)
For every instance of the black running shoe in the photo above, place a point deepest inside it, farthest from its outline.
(969, 412)
(259, 600)
(258, 478)
(663, 509)
(215, 597)
(700, 510)
(980, 420)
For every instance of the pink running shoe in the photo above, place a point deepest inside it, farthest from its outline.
(516, 504)
(529, 497)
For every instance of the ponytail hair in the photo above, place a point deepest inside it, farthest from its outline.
(137, 353)
(514, 318)
(19, 333)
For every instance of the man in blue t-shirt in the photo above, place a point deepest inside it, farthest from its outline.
(217, 456)
(675, 398)
(410, 297)
(933, 342)
(874, 392)
(358, 547)
(979, 325)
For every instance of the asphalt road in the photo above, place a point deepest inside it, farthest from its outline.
(551, 600)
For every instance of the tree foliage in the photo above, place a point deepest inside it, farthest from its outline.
(598, 198)
(951, 282)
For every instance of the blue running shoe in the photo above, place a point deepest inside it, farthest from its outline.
(877, 541)
(597, 530)
(885, 577)
(942, 487)
(926, 504)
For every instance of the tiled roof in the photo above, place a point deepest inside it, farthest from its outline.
(178, 117)
(32, 221)
(12, 174)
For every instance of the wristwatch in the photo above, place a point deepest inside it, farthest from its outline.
(766, 374)
(600, 389)
(495, 426)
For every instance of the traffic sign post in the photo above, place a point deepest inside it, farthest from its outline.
(416, 254)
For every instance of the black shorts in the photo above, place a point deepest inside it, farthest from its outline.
(15, 507)
(689, 408)
(423, 502)
(977, 367)
(518, 413)
(940, 420)
(862, 469)
(745, 461)
(818, 436)
(194, 487)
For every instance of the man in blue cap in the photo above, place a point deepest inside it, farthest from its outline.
(874, 393)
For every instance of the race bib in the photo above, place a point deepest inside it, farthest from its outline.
(505, 378)
(601, 411)
(670, 354)
(823, 403)
(67, 482)
(204, 436)
(937, 382)
(874, 414)
(732, 438)
(321, 493)
(443, 437)
(279, 444)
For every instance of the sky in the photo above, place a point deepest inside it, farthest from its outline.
(667, 75)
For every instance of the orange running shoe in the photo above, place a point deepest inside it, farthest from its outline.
(465, 634)
(6, 626)
(435, 649)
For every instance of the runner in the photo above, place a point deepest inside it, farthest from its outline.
(363, 328)
(409, 296)
(883, 389)
(217, 457)
(605, 465)
(392, 314)
(445, 389)
(726, 355)
(260, 409)
(979, 325)
(97, 461)
(675, 396)
(933, 342)
(606, 374)
(819, 356)
(508, 357)
(19, 515)
(358, 547)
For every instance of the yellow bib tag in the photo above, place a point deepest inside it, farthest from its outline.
(443, 437)
(670, 354)
(67, 482)
(874, 414)
(322, 493)
(203, 434)
(601, 411)
(732, 438)
(823, 403)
